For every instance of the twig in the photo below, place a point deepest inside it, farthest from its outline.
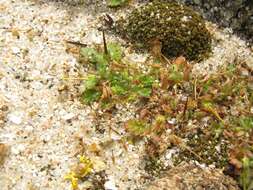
(104, 41)
(166, 59)
(185, 107)
(76, 43)
(195, 89)
(113, 157)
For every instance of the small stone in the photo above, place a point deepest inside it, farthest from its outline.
(115, 137)
(17, 149)
(16, 117)
(197, 2)
(137, 58)
(249, 61)
(68, 116)
(245, 72)
(172, 121)
(110, 185)
(94, 37)
(98, 164)
(16, 50)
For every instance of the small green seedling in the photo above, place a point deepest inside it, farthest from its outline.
(137, 128)
(116, 3)
(112, 80)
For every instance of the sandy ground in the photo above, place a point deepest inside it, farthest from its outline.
(43, 126)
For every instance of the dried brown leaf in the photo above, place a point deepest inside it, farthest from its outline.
(180, 61)
(144, 113)
(187, 72)
(106, 92)
(4, 149)
(15, 32)
(192, 104)
(167, 109)
(164, 78)
(94, 148)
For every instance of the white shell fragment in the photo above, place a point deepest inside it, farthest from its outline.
(15, 50)
(110, 185)
(16, 117)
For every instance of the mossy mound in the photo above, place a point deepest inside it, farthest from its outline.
(180, 30)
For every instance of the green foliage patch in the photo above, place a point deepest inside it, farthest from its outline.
(209, 117)
(113, 81)
(116, 3)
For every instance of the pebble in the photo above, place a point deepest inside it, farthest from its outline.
(115, 137)
(110, 185)
(94, 37)
(99, 165)
(15, 50)
(17, 149)
(137, 58)
(68, 116)
(16, 117)
(172, 121)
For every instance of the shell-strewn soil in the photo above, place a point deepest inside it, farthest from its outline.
(43, 124)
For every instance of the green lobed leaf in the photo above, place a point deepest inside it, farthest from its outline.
(144, 88)
(144, 92)
(137, 127)
(176, 75)
(96, 58)
(116, 3)
(146, 80)
(115, 51)
(88, 53)
(90, 95)
(120, 82)
(91, 82)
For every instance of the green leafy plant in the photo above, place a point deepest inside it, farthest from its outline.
(137, 128)
(117, 3)
(112, 80)
(167, 96)
(243, 123)
(176, 74)
(115, 51)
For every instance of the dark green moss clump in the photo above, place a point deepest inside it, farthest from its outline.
(208, 145)
(180, 30)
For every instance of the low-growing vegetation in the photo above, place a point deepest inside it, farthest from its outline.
(117, 3)
(179, 29)
(111, 81)
(207, 118)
